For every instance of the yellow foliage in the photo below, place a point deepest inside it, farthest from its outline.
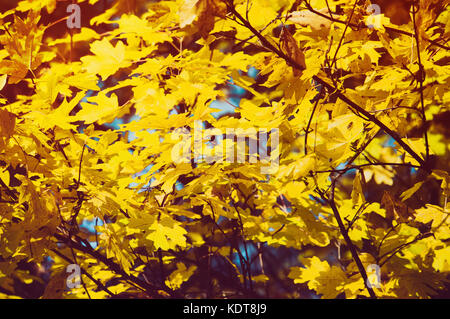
(302, 130)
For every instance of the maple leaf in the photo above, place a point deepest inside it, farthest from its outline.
(90, 169)
(7, 121)
(166, 234)
(23, 44)
(107, 60)
(320, 277)
(205, 11)
(292, 50)
(308, 18)
(101, 109)
(180, 275)
(3, 80)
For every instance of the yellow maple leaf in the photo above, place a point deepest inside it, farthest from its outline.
(180, 275)
(105, 109)
(187, 12)
(7, 123)
(3, 79)
(107, 60)
(27, 5)
(319, 276)
(167, 234)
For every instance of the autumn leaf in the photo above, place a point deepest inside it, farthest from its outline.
(308, 18)
(320, 277)
(167, 148)
(3, 80)
(7, 123)
(56, 287)
(205, 11)
(290, 47)
(179, 276)
(108, 59)
(188, 12)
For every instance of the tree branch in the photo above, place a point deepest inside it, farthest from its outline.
(399, 248)
(347, 239)
(310, 120)
(345, 169)
(151, 290)
(97, 282)
(343, 34)
(421, 79)
(353, 106)
(433, 42)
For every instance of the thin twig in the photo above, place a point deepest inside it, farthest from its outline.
(232, 245)
(81, 277)
(150, 290)
(384, 238)
(310, 120)
(345, 169)
(246, 260)
(343, 34)
(360, 210)
(97, 282)
(79, 165)
(347, 239)
(352, 105)
(421, 79)
(402, 246)
(433, 42)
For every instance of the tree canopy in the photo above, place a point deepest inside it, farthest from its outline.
(224, 148)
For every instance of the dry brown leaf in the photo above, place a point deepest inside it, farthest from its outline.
(16, 70)
(315, 21)
(395, 209)
(7, 123)
(56, 286)
(291, 49)
(188, 12)
(428, 12)
(205, 11)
